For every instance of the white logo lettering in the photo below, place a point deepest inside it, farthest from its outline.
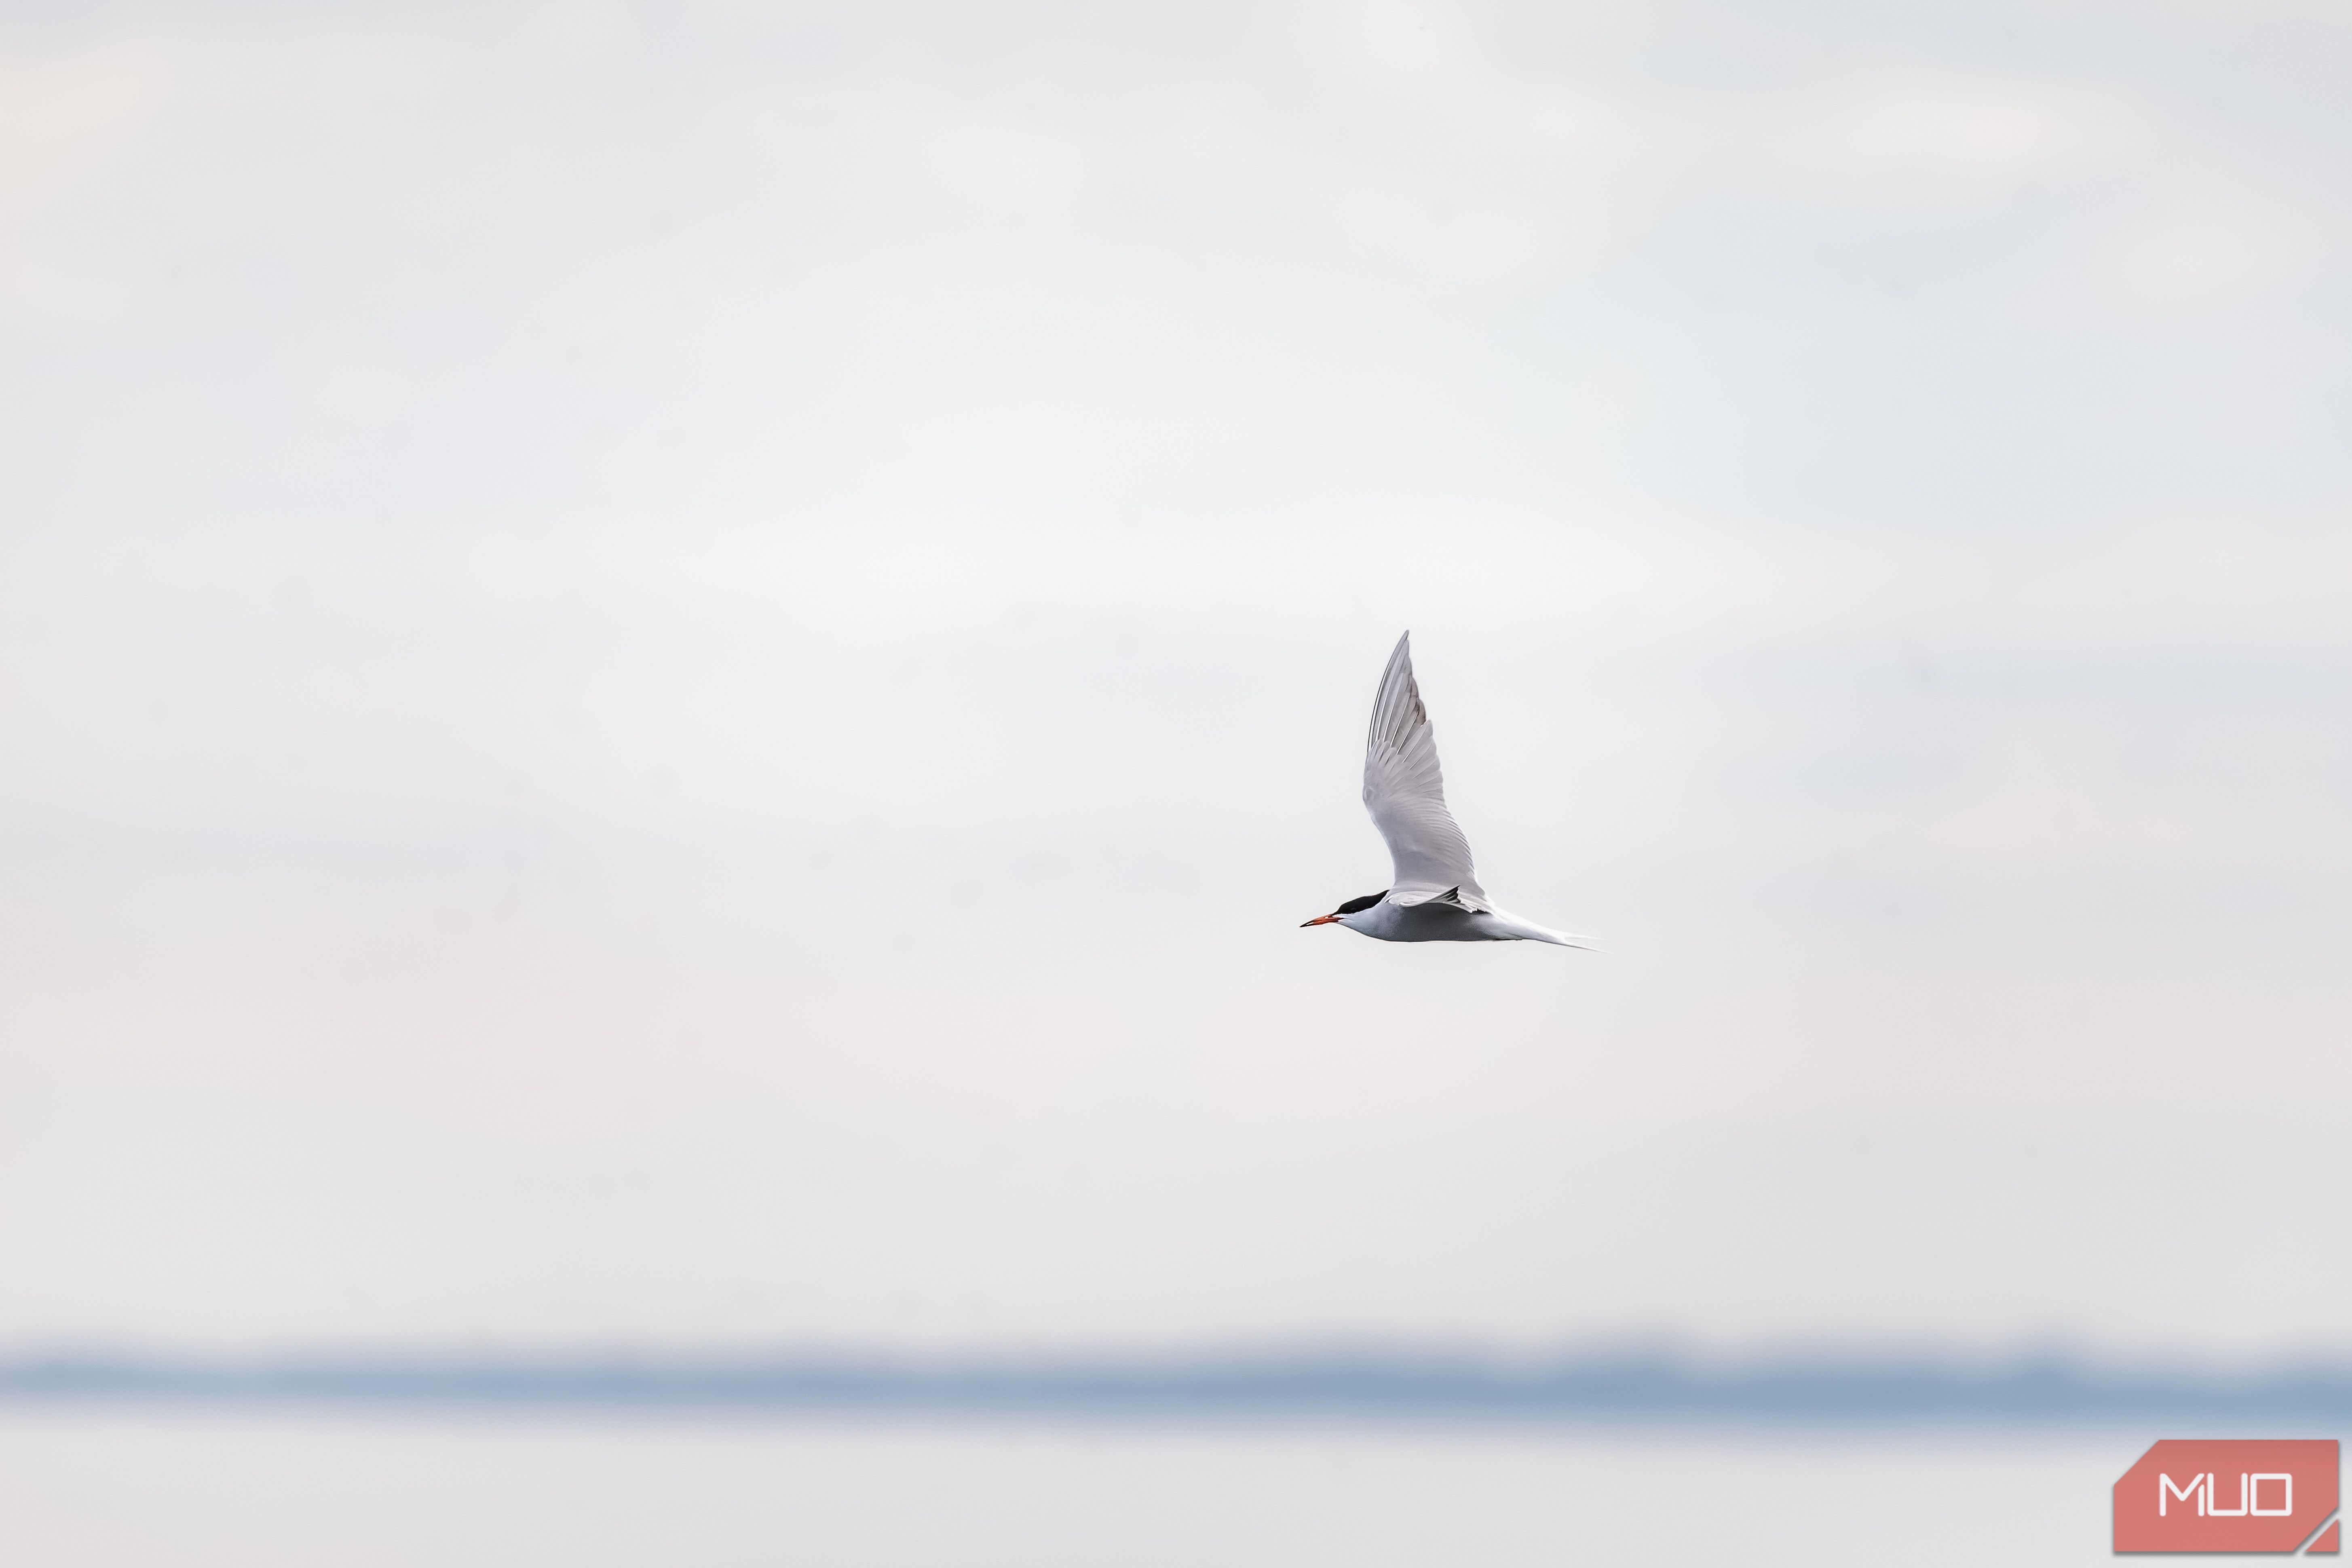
(2213, 1497)
(2256, 1501)
(2196, 1488)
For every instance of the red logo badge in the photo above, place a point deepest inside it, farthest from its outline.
(2228, 1495)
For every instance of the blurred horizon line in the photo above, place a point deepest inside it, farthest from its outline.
(1394, 1384)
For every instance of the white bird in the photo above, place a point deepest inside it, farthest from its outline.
(1434, 895)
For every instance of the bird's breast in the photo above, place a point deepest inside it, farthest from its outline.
(1423, 922)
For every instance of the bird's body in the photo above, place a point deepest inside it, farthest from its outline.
(1446, 922)
(1434, 895)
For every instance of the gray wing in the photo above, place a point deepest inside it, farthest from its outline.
(1405, 793)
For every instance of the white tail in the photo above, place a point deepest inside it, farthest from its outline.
(1528, 931)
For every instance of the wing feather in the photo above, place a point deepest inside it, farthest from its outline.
(1405, 793)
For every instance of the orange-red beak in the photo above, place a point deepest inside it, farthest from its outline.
(1317, 921)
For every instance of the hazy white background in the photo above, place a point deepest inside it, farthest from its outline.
(676, 675)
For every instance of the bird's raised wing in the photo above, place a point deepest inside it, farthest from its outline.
(1406, 795)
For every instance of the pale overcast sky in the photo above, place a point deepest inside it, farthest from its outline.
(679, 674)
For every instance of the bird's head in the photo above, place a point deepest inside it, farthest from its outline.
(1352, 907)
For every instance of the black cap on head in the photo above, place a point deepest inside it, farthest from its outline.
(1354, 905)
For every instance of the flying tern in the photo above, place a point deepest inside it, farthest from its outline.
(1434, 895)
